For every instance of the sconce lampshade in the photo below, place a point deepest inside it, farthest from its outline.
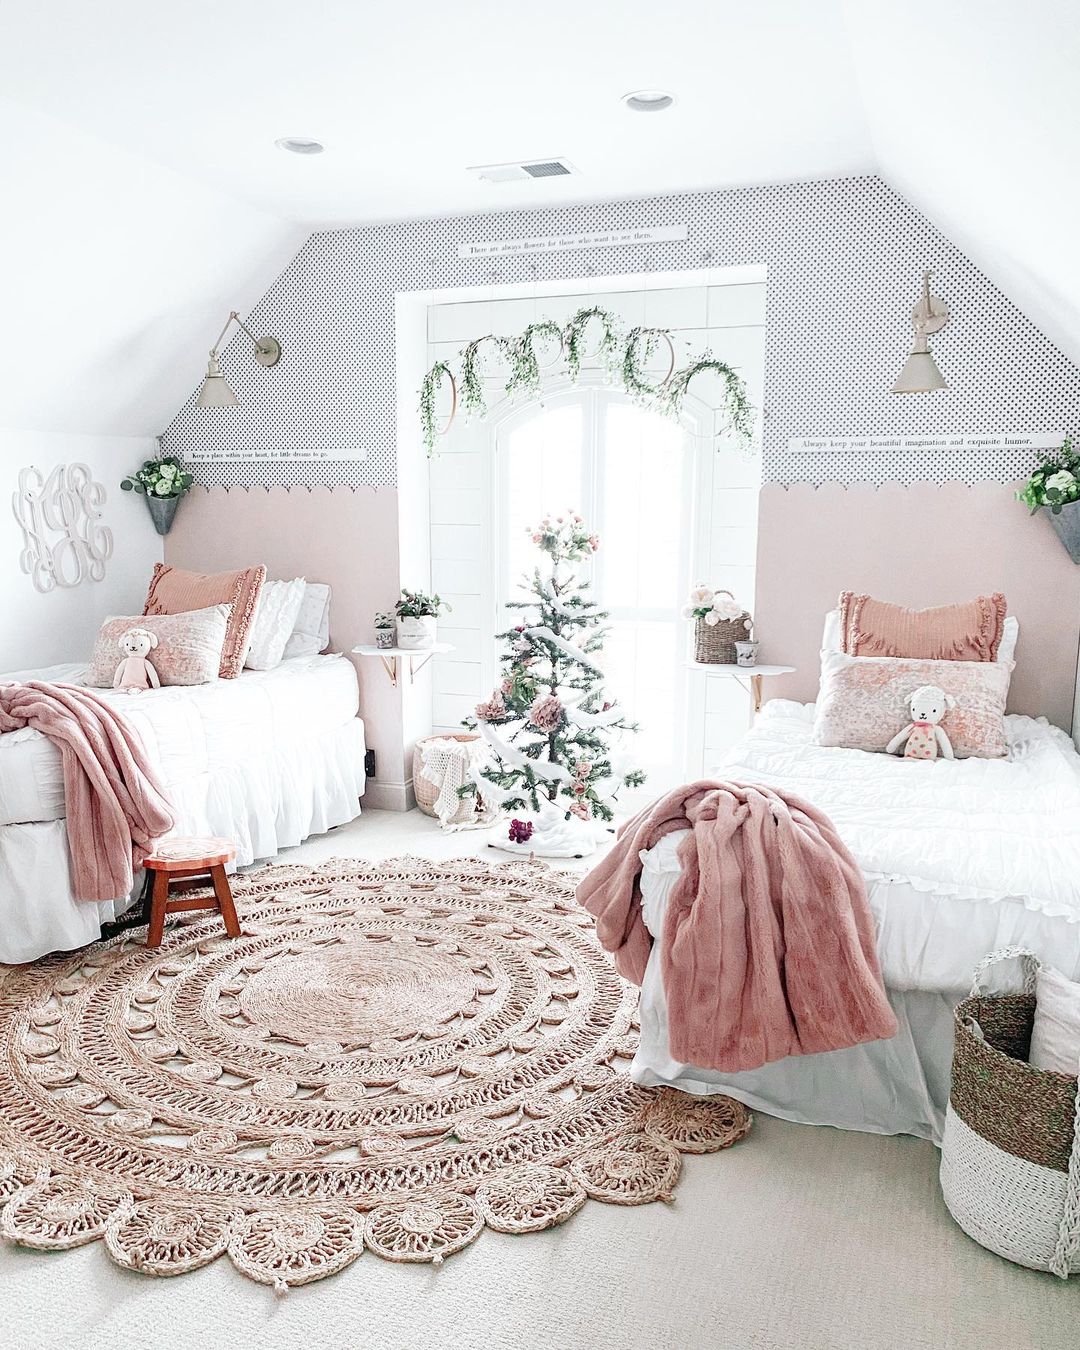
(216, 391)
(920, 374)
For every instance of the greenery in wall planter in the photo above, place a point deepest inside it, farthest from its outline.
(162, 482)
(1054, 487)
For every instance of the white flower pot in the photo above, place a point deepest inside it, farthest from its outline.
(417, 634)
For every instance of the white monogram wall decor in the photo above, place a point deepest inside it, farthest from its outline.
(63, 541)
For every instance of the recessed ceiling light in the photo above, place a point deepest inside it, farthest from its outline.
(300, 145)
(648, 100)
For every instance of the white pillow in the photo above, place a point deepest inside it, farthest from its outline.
(1055, 1037)
(832, 640)
(311, 631)
(275, 617)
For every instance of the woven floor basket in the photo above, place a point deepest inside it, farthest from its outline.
(1010, 1158)
(715, 643)
(427, 792)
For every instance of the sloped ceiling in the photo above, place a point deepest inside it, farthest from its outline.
(973, 112)
(144, 197)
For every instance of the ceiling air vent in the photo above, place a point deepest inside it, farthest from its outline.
(525, 169)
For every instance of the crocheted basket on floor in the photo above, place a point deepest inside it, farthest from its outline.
(426, 789)
(715, 642)
(1010, 1158)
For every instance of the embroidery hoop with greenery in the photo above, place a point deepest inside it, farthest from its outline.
(627, 358)
(432, 382)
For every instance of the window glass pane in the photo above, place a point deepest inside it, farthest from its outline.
(541, 463)
(642, 509)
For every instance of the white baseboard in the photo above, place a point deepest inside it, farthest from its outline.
(389, 796)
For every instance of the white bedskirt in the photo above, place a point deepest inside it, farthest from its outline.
(268, 803)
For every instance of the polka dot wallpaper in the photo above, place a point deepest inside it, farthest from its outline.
(844, 260)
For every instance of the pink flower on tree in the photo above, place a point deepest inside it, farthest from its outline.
(492, 710)
(546, 712)
(582, 810)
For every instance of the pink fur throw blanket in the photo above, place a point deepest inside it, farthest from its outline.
(768, 945)
(116, 804)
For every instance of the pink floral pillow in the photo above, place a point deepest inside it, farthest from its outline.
(188, 651)
(863, 701)
(964, 632)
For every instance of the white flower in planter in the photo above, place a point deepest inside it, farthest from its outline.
(712, 618)
(701, 596)
(726, 608)
(1062, 481)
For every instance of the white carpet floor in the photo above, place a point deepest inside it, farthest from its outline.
(797, 1239)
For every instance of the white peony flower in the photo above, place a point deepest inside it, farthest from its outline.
(712, 618)
(1063, 481)
(726, 608)
(701, 596)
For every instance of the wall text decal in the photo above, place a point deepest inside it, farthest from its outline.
(563, 243)
(854, 445)
(253, 454)
(63, 543)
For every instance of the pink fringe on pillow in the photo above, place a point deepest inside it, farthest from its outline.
(965, 632)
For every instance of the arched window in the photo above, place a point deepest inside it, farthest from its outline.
(632, 474)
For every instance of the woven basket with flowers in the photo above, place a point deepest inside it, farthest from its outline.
(719, 622)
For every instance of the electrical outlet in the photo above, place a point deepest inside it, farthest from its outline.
(369, 763)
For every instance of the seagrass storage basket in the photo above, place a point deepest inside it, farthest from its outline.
(715, 643)
(1010, 1158)
(427, 791)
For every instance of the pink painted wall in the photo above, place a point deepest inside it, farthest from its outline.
(925, 544)
(342, 536)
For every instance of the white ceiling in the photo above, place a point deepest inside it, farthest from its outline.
(144, 196)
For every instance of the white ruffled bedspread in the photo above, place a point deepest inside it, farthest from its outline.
(975, 828)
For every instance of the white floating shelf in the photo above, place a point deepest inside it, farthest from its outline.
(415, 658)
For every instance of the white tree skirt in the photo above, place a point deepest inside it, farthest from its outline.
(553, 836)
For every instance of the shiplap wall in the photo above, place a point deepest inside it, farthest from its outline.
(727, 320)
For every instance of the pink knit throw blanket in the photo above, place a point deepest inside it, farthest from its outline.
(116, 804)
(768, 944)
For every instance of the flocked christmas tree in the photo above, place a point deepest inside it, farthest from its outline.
(551, 733)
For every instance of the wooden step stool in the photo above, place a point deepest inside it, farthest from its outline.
(185, 864)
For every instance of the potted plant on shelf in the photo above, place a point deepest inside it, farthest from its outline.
(1054, 488)
(384, 629)
(162, 482)
(417, 619)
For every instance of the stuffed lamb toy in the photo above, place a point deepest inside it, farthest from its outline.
(923, 736)
(135, 672)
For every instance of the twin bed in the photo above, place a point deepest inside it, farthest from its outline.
(265, 759)
(960, 858)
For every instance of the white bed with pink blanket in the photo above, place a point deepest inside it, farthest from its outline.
(974, 855)
(265, 759)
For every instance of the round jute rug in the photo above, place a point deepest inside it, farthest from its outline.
(391, 1057)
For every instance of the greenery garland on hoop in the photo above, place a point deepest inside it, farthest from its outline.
(740, 413)
(635, 381)
(525, 372)
(473, 399)
(432, 382)
(627, 357)
(607, 352)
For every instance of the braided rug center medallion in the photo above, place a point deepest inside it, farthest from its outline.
(392, 1056)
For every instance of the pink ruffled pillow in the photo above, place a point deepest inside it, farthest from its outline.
(174, 591)
(964, 632)
(863, 702)
(188, 651)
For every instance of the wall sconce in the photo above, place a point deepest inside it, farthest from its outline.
(920, 373)
(216, 391)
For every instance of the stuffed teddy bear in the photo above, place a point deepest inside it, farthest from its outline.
(135, 672)
(923, 736)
